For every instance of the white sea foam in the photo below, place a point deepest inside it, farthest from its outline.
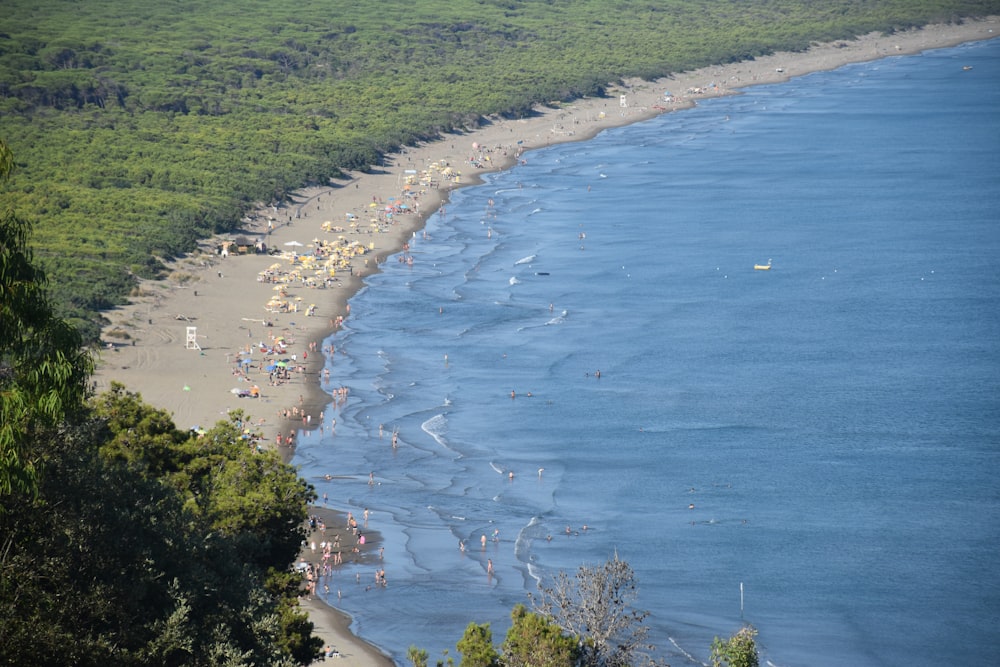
(686, 654)
(436, 427)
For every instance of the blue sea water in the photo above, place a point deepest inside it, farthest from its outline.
(835, 421)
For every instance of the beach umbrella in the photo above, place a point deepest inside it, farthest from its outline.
(294, 244)
(270, 367)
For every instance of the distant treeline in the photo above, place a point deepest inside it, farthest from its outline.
(141, 126)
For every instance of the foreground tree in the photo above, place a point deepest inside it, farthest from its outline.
(43, 366)
(740, 650)
(596, 605)
(108, 568)
(535, 641)
(417, 656)
(242, 491)
(476, 647)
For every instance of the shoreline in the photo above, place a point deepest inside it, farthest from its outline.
(224, 297)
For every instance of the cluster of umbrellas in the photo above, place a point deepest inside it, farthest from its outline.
(309, 270)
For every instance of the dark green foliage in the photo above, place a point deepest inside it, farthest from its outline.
(248, 495)
(535, 641)
(144, 125)
(476, 647)
(109, 568)
(147, 546)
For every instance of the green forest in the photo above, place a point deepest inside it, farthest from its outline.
(141, 126)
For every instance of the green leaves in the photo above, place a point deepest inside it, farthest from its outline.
(535, 641)
(43, 369)
(740, 650)
(476, 647)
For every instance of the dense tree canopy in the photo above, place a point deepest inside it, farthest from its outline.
(152, 123)
(118, 562)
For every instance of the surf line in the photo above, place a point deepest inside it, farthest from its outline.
(686, 654)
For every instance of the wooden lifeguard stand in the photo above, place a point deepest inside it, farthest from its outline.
(192, 339)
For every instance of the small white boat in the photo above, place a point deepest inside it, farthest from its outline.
(762, 267)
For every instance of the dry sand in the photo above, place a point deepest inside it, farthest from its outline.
(224, 299)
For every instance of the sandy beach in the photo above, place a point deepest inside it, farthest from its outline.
(233, 328)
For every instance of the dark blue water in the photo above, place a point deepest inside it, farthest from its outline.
(835, 421)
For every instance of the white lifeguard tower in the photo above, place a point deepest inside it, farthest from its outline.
(192, 339)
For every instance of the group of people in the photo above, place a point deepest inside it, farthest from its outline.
(318, 562)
